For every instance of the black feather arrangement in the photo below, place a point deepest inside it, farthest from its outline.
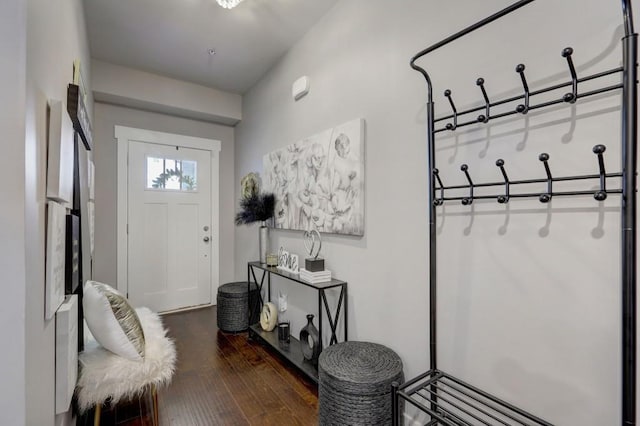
(255, 208)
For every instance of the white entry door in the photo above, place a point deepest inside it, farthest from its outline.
(169, 226)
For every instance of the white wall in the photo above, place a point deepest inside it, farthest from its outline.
(106, 117)
(152, 92)
(13, 31)
(56, 36)
(529, 293)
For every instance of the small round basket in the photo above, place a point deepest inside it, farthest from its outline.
(355, 383)
(233, 306)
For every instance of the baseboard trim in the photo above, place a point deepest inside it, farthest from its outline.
(186, 309)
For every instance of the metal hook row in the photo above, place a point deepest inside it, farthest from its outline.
(545, 197)
(524, 107)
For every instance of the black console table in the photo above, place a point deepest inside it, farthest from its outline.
(293, 352)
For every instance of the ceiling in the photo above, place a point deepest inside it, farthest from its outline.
(173, 37)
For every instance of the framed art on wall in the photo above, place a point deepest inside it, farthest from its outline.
(77, 106)
(319, 181)
(84, 206)
(72, 262)
(60, 155)
(55, 258)
(66, 352)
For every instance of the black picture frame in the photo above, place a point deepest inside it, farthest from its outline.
(79, 116)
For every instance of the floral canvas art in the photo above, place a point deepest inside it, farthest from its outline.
(318, 181)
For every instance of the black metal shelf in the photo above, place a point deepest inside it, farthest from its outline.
(451, 402)
(292, 351)
(296, 277)
(323, 304)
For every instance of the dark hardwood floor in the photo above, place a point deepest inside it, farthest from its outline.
(223, 379)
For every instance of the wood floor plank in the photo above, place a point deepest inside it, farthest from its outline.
(250, 374)
(301, 384)
(234, 379)
(196, 398)
(269, 385)
(303, 410)
(276, 418)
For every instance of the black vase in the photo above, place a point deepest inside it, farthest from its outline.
(310, 341)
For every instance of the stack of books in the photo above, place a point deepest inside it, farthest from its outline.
(315, 277)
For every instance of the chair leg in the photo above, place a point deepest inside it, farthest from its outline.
(96, 415)
(154, 395)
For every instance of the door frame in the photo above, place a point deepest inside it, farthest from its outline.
(125, 134)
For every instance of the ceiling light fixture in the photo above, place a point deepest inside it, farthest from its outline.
(228, 4)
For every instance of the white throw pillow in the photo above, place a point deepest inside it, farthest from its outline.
(112, 321)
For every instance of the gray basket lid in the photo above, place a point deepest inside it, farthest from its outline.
(236, 289)
(361, 363)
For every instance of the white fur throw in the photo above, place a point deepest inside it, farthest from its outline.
(105, 375)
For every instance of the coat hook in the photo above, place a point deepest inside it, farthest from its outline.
(602, 194)
(450, 126)
(523, 108)
(545, 198)
(573, 96)
(503, 198)
(438, 201)
(467, 200)
(484, 118)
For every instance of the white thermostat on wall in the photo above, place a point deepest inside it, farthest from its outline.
(300, 87)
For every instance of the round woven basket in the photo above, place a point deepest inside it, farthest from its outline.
(355, 383)
(233, 306)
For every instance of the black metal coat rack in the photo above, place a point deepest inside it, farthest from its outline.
(446, 399)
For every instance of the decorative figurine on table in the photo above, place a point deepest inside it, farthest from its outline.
(313, 244)
(310, 339)
(268, 316)
(287, 262)
(284, 325)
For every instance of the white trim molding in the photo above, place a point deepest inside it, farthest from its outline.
(126, 134)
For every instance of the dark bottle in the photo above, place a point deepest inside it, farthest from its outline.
(310, 341)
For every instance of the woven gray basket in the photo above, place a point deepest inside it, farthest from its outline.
(355, 383)
(233, 306)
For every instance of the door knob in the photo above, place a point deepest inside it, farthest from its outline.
(205, 239)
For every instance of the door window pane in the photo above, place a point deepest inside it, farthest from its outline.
(167, 173)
